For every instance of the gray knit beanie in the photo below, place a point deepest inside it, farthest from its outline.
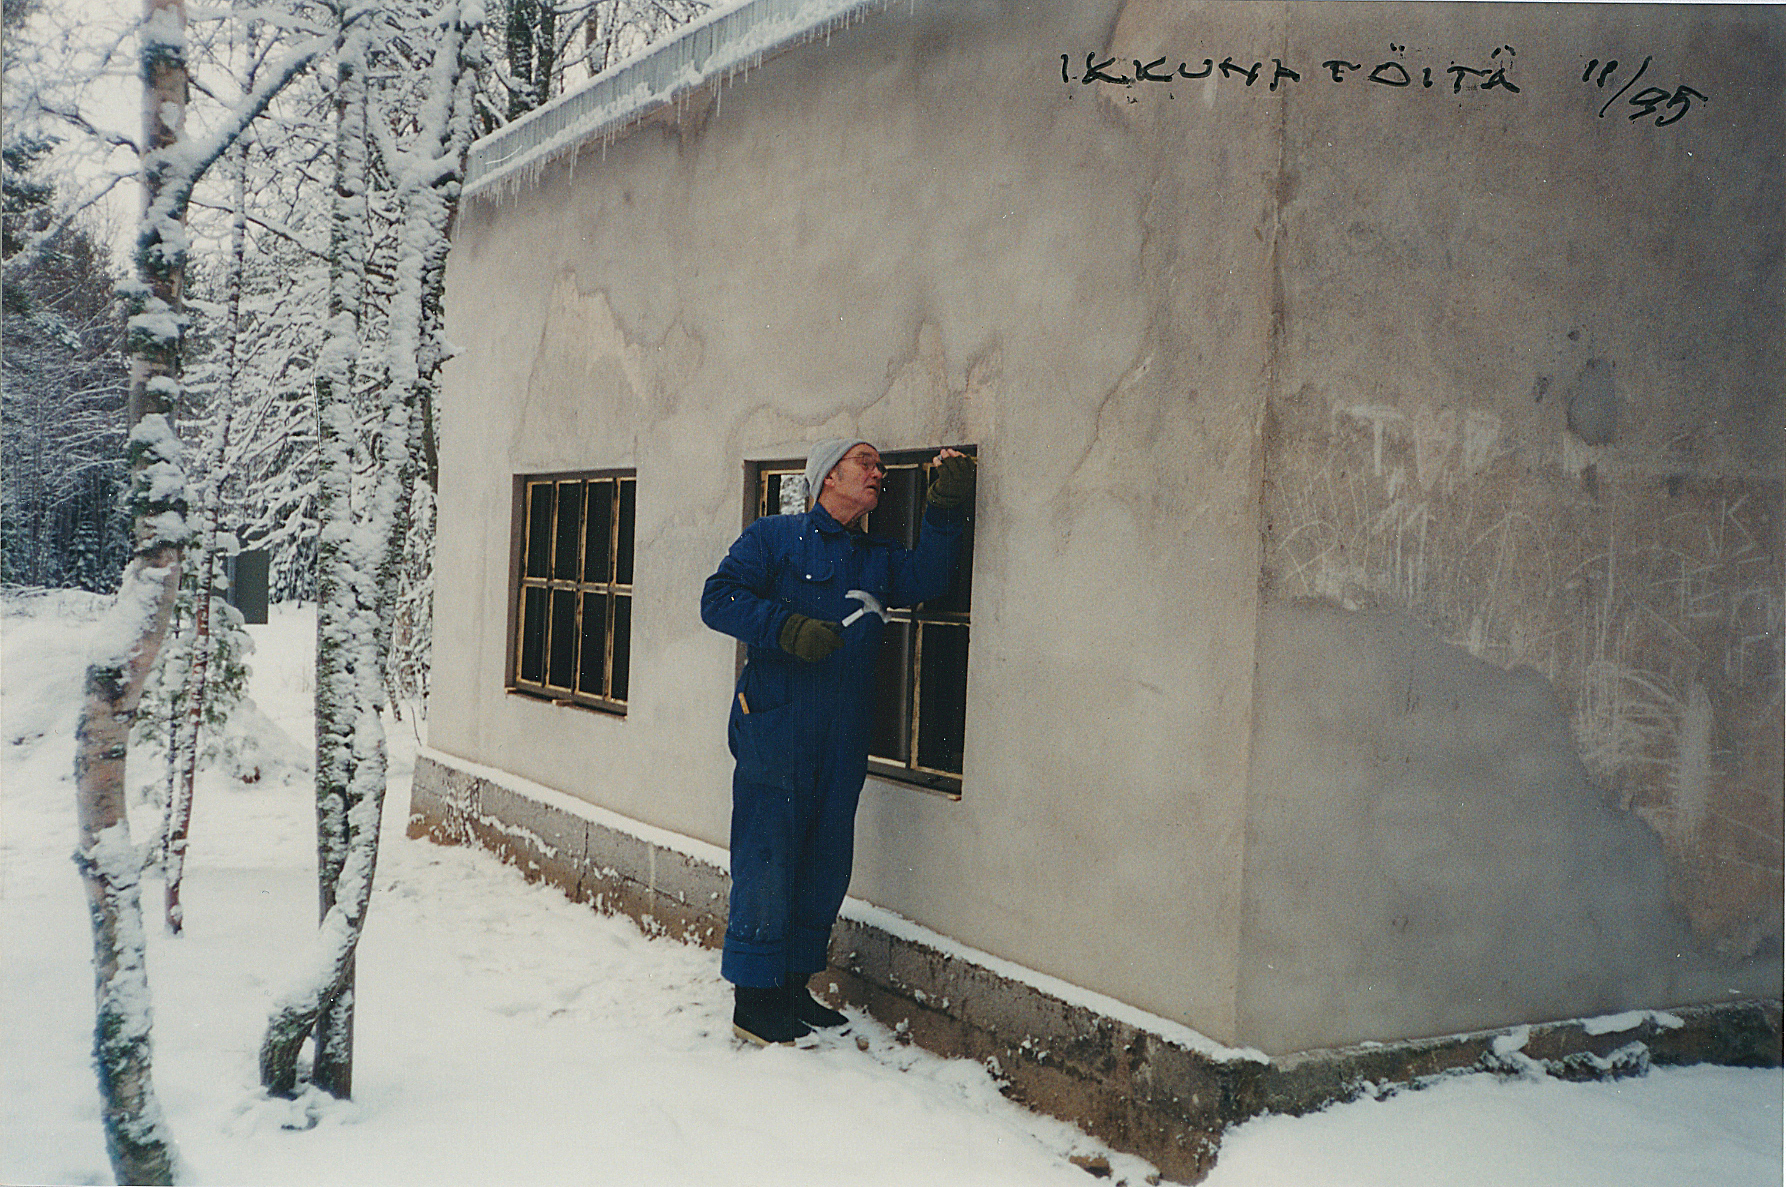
(822, 457)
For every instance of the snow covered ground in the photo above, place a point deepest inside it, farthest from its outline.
(507, 1036)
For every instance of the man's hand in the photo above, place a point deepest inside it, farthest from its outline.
(953, 480)
(810, 639)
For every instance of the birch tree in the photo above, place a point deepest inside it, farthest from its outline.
(189, 716)
(362, 524)
(136, 1137)
(126, 646)
(540, 42)
(187, 712)
(431, 173)
(612, 30)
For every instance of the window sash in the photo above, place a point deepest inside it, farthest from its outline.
(919, 725)
(573, 621)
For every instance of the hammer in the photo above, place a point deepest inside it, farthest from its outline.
(870, 605)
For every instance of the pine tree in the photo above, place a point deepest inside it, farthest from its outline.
(60, 382)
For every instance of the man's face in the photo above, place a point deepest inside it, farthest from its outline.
(857, 479)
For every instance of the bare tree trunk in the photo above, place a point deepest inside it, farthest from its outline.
(135, 1131)
(324, 1005)
(131, 636)
(111, 867)
(183, 747)
(354, 578)
(342, 623)
(186, 730)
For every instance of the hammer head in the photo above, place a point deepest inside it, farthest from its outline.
(870, 605)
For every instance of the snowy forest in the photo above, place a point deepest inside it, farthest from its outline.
(258, 373)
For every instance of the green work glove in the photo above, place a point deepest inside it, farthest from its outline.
(952, 482)
(809, 638)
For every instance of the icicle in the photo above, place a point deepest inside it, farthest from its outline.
(724, 46)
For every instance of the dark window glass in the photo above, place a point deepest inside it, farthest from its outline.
(563, 647)
(594, 646)
(533, 635)
(959, 599)
(892, 734)
(901, 506)
(623, 635)
(942, 696)
(573, 621)
(623, 548)
(598, 535)
(570, 523)
(539, 529)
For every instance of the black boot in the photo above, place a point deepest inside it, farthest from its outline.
(807, 1009)
(763, 1017)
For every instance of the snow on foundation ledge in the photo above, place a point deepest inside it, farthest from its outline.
(1630, 1020)
(731, 40)
(697, 850)
(855, 910)
(1178, 1035)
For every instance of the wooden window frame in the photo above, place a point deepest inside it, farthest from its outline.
(763, 497)
(539, 591)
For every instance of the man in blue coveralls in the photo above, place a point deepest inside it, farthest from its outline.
(799, 728)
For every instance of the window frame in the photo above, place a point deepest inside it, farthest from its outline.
(614, 586)
(762, 498)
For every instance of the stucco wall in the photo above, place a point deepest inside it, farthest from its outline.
(1528, 412)
(1039, 282)
(1222, 347)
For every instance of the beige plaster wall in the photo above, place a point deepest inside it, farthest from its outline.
(1214, 366)
(1041, 281)
(1523, 487)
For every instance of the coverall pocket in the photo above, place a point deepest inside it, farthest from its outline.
(765, 745)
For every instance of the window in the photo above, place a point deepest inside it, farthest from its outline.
(574, 589)
(920, 716)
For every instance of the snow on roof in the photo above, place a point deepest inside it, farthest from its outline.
(732, 39)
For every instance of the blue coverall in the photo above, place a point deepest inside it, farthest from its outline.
(799, 731)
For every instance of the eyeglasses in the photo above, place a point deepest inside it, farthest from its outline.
(868, 464)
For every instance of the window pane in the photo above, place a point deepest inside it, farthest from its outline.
(942, 697)
(563, 646)
(623, 548)
(892, 734)
(901, 506)
(570, 527)
(539, 529)
(597, 541)
(789, 494)
(532, 665)
(623, 634)
(592, 659)
(959, 599)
